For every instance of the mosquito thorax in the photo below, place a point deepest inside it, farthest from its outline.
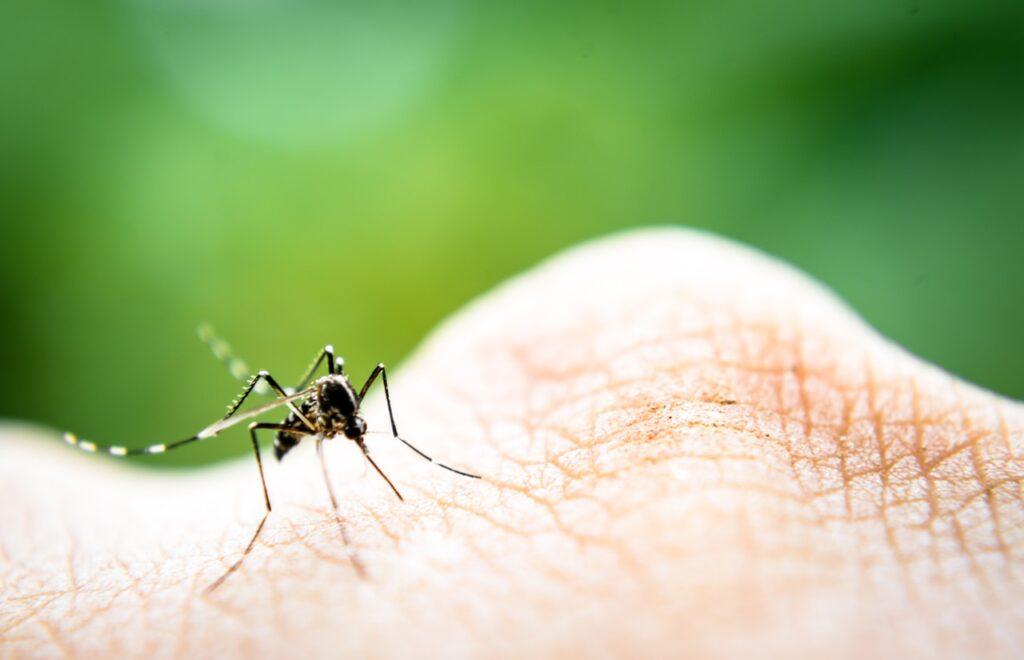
(336, 396)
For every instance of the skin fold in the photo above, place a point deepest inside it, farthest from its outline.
(688, 449)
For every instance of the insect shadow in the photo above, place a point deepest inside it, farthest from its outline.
(323, 408)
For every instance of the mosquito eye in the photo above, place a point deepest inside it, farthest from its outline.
(355, 427)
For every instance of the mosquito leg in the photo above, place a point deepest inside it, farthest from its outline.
(352, 556)
(333, 366)
(370, 380)
(210, 431)
(379, 471)
(381, 371)
(222, 351)
(255, 426)
(118, 450)
(274, 385)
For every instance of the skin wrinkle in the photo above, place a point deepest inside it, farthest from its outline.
(687, 448)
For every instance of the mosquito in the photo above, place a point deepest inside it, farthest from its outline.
(322, 408)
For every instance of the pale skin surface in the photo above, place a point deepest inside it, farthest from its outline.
(688, 449)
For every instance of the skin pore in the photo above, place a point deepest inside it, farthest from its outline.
(687, 448)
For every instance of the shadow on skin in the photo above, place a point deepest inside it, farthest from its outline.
(687, 448)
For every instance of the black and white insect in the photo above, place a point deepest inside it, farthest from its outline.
(323, 408)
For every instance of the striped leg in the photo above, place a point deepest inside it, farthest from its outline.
(255, 426)
(334, 366)
(352, 556)
(117, 450)
(381, 371)
(274, 385)
(208, 432)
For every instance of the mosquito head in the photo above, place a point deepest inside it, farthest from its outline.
(355, 427)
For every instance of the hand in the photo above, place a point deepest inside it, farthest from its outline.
(687, 448)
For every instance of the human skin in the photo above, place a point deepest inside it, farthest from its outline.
(688, 449)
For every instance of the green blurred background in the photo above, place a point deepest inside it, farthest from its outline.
(303, 172)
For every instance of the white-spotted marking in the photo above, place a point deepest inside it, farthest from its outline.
(85, 445)
(156, 449)
(71, 438)
(118, 451)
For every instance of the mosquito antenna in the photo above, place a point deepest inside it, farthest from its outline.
(221, 350)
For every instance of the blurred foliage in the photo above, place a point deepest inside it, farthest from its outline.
(304, 172)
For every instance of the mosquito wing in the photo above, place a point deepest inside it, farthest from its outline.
(217, 427)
